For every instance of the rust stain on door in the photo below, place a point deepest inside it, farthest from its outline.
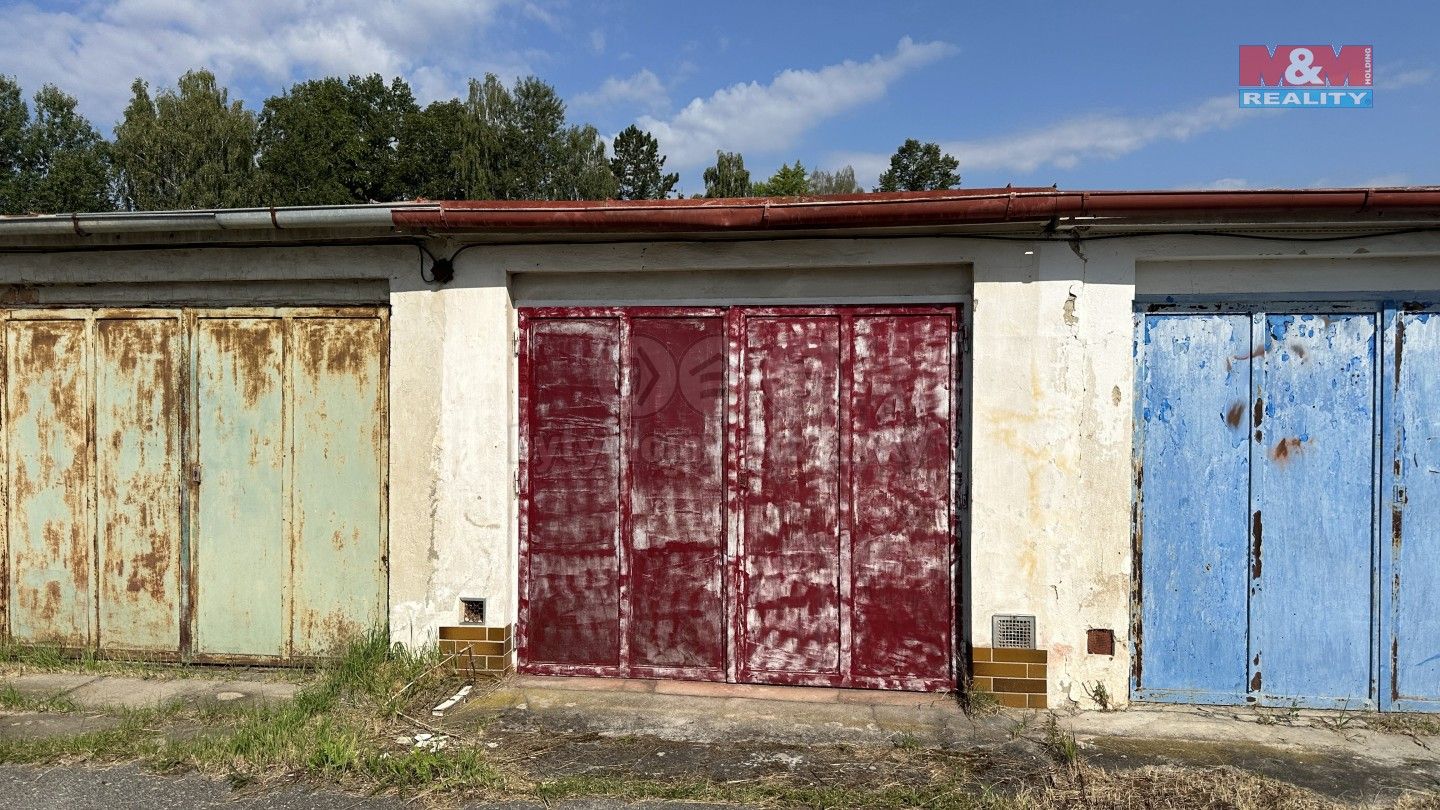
(138, 457)
(273, 458)
(337, 574)
(239, 550)
(50, 543)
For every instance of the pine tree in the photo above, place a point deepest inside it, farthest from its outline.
(639, 167)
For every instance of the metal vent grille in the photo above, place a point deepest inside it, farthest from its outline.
(472, 610)
(1012, 631)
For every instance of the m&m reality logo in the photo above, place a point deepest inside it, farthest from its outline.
(1306, 76)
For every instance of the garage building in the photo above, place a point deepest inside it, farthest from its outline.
(1171, 446)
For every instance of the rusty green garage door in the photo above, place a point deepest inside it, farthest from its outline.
(204, 483)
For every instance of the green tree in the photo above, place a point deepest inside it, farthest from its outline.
(190, 147)
(429, 152)
(516, 145)
(539, 141)
(586, 174)
(64, 161)
(638, 166)
(787, 181)
(14, 120)
(487, 139)
(919, 167)
(841, 181)
(332, 141)
(728, 177)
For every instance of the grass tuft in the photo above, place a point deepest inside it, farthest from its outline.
(1060, 743)
(1413, 725)
(12, 699)
(337, 728)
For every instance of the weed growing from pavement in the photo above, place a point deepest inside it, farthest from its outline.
(978, 704)
(1098, 695)
(341, 728)
(1060, 743)
(1413, 725)
(1340, 721)
(907, 742)
(11, 698)
(137, 735)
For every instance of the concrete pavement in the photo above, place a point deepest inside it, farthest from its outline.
(114, 691)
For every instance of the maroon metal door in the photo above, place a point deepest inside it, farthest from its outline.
(759, 495)
(570, 559)
(623, 493)
(844, 425)
(674, 539)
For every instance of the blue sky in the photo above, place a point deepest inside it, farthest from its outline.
(1083, 94)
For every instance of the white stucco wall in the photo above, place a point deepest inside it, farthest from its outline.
(453, 403)
(1050, 439)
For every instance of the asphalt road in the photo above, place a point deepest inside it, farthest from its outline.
(82, 787)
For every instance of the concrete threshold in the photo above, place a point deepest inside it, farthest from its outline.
(701, 712)
(711, 689)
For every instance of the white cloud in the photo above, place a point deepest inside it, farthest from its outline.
(1070, 142)
(1386, 180)
(597, 41)
(762, 118)
(643, 90)
(1065, 144)
(1399, 79)
(96, 49)
(541, 14)
(1226, 184)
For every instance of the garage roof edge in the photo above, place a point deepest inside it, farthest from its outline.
(234, 219)
(959, 207)
(761, 214)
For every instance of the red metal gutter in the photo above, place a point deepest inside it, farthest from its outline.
(971, 206)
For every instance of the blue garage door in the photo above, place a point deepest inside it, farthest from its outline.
(1276, 448)
(1410, 508)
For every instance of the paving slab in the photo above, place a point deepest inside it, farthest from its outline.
(46, 685)
(49, 725)
(116, 692)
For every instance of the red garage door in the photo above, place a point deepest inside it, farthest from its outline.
(745, 494)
